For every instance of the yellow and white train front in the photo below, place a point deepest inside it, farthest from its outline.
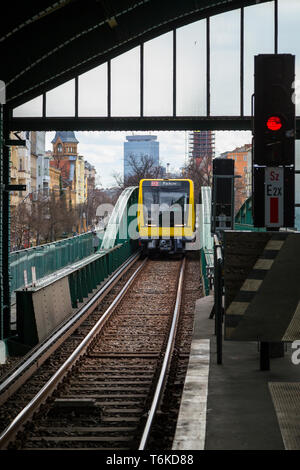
(166, 214)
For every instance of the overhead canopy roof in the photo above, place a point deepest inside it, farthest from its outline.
(45, 43)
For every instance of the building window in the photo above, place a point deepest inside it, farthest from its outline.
(59, 148)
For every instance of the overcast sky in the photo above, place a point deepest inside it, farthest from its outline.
(105, 150)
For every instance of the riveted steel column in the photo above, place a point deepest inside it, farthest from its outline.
(242, 65)
(1, 222)
(276, 27)
(207, 67)
(5, 226)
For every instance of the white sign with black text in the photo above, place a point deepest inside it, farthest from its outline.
(274, 196)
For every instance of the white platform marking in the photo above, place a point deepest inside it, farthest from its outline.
(191, 423)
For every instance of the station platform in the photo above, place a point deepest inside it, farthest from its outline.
(236, 406)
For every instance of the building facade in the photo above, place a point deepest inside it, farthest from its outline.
(20, 170)
(71, 165)
(54, 184)
(40, 177)
(242, 169)
(90, 176)
(139, 146)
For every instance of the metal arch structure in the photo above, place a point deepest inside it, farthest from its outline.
(75, 36)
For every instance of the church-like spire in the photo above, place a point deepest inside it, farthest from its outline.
(65, 136)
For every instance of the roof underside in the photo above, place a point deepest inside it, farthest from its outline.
(43, 44)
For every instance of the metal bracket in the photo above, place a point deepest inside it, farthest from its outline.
(15, 187)
(18, 142)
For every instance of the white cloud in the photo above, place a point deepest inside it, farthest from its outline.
(228, 140)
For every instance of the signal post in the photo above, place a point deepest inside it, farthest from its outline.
(274, 129)
(273, 157)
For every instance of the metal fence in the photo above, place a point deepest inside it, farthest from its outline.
(49, 258)
(244, 219)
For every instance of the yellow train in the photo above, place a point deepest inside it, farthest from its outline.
(166, 215)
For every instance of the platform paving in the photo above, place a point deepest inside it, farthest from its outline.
(239, 410)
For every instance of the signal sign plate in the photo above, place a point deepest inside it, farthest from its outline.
(274, 197)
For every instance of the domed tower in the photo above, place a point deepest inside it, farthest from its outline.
(64, 144)
(65, 158)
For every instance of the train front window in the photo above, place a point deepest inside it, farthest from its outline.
(173, 198)
(165, 204)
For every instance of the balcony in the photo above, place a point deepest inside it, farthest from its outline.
(23, 175)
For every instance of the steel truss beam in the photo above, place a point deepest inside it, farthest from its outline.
(132, 123)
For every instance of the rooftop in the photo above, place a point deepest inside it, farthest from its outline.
(138, 138)
(65, 136)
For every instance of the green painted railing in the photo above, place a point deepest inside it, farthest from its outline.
(87, 277)
(76, 281)
(244, 220)
(49, 258)
(53, 256)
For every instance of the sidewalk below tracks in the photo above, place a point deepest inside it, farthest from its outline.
(236, 406)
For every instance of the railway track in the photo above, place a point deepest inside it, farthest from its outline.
(101, 393)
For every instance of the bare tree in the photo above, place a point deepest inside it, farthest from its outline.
(240, 193)
(41, 220)
(95, 197)
(140, 168)
(200, 174)
(59, 217)
(20, 225)
(38, 212)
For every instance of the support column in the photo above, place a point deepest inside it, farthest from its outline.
(5, 226)
(1, 223)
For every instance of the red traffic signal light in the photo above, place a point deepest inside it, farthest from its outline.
(274, 123)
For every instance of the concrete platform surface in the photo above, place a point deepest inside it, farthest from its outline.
(230, 406)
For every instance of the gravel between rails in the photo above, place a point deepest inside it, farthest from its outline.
(103, 401)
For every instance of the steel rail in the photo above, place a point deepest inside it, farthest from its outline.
(19, 421)
(40, 353)
(166, 362)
